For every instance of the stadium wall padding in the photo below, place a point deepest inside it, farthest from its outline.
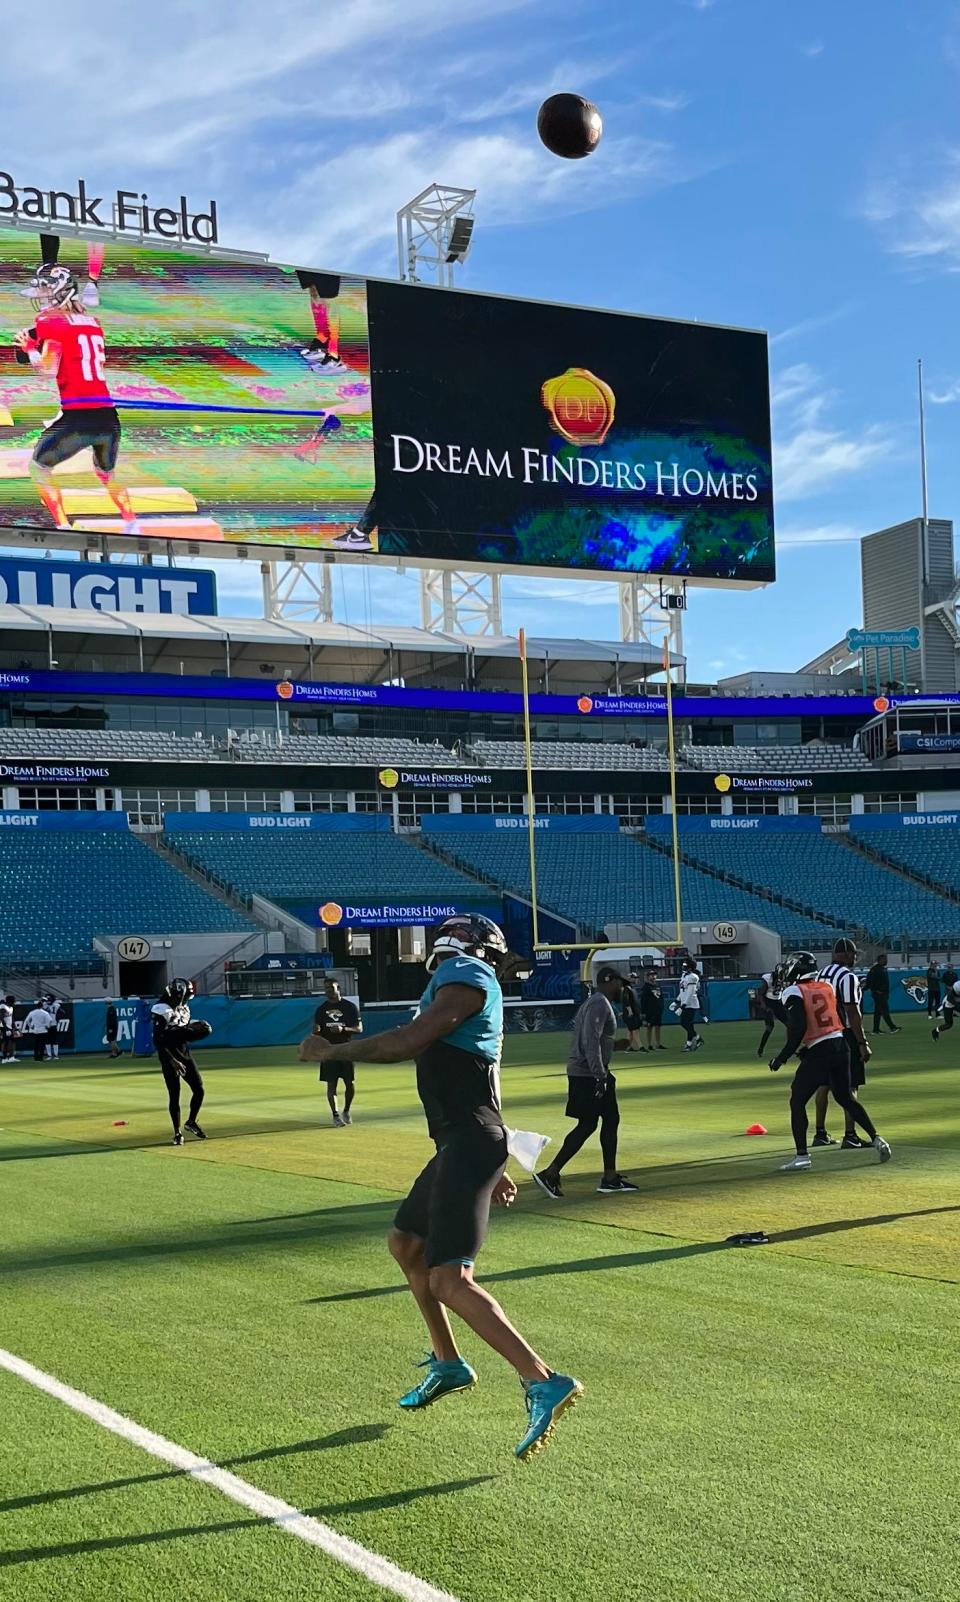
(255, 1023)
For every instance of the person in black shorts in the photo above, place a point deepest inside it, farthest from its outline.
(336, 1021)
(173, 1031)
(651, 1009)
(846, 986)
(632, 1020)
(810, 1011)
(592, 1090)
(440, 1227)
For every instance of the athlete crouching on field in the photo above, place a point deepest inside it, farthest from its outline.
(173, 1030)
(456, 1041)
(814, 1028)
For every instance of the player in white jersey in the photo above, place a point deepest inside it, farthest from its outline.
(846, 986)
(948, 1011)
(768, 996)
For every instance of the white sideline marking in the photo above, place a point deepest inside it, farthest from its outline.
(378, 1570)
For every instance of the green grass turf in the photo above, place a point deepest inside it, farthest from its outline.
(758, 1425)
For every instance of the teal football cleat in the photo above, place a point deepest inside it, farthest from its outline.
(441, 1379)
(546, 1400)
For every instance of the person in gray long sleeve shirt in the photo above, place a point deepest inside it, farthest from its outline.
(592, 1089)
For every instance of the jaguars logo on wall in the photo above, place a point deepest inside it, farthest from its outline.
(916, 988)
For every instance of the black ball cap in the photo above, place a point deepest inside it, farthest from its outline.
(569, 126)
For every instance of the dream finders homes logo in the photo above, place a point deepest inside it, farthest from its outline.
(581, 409)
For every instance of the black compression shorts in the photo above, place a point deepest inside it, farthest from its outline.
(332, 1072)
(449, 1204)
(826, 1063)
(583, 1103)
(73, 431)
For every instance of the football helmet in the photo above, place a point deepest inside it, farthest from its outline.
(800, 965)
(50, 286)
(470, 934)
(178, 992)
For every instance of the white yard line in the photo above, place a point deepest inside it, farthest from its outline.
(378, 1570)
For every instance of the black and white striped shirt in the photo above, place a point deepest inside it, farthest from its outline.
(846, 985)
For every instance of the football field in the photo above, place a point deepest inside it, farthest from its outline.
(759, 1425)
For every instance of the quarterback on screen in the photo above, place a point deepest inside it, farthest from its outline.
(67, 343)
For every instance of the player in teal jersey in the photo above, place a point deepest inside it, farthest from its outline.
(456, 1041)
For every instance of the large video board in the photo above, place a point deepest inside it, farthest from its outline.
(232, 403)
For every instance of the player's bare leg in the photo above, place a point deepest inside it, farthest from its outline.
(120, 498)
(326, 322)
(50, 494)
(453, 1284)
(90, 293)
(407, 1250)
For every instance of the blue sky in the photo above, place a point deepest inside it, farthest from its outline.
(788, 167)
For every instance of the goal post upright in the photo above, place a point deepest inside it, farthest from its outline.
(591, 947)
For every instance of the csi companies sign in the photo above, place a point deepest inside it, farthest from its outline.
(100, 587)
(129, 211)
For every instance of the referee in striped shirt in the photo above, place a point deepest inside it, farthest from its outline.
(839, 973)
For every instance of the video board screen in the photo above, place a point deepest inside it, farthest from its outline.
(155, 393)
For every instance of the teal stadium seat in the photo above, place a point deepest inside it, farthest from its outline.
(595, 879)
(59, 889)
(321, 865)
(931, 851)
(833, 881)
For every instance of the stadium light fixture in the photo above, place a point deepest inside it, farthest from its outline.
(434, 233)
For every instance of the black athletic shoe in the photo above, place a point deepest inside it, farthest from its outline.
(616, 1186)
(178, 1138)
(821, 1138)
(853, 1143)
(934, 1034)
(551, 1186)
(194, 1129)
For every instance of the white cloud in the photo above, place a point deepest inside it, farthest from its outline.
(815, 48)
(311, 130)
(810, 453)
(945, 397)
(919, 218)
(349, 201)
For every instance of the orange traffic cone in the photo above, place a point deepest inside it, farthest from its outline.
(756, 1129)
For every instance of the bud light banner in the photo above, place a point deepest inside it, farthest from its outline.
(275, 823)
(63, 822)
(662, 823)
(516, 823)
(871, 822)
(106, 587)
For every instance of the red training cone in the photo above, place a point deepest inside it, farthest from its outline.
(120, 1123)
(756, 1129)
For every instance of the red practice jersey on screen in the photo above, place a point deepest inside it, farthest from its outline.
(80, 375)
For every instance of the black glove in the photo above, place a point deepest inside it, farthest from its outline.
(775, 1064)
(600, 1088)
(197, 1029)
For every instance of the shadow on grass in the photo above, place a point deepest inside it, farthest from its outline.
(658, 1254)
(357, 1436)
(335, 1223)
(365, 1504)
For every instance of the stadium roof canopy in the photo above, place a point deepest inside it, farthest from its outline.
(251, 647)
